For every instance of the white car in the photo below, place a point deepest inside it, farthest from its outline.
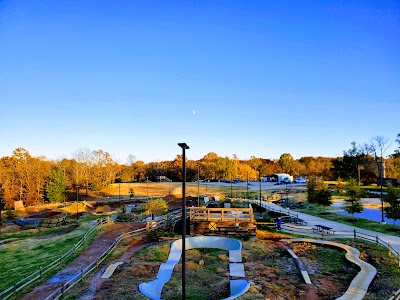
(300, 180)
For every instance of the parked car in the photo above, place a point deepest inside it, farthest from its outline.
(300, 180)
(285, 181)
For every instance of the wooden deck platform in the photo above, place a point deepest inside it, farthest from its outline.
(222, 220)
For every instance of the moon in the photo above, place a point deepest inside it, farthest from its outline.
(194, 112)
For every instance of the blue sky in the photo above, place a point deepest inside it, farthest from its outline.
(263, 77)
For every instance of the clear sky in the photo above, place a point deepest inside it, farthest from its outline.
(249, 78)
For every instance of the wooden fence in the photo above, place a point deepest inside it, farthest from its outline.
(160, 223)
(18, 286)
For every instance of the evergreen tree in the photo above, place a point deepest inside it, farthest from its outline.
(57, 188)
(392, 197)
(353, 203)
(323, 196)
(311, 191)
(131, 193)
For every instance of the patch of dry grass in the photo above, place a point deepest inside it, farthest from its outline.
(164, 188)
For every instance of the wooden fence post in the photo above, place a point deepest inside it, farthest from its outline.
(390, 253)
(398, 256)
(41, 271)
(355, 234)
(81, 274)
(62, 289)
(377, 240)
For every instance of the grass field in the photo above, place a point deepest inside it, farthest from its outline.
(168, 188)
(21, 258)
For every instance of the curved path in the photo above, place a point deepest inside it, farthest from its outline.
(359, 285)
(238, 287)
(340, 229)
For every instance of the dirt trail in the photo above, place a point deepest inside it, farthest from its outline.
(97, 281)
(100, 244)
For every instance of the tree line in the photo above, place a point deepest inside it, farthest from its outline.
(36, 179)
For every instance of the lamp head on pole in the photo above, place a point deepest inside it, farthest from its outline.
(183, 145)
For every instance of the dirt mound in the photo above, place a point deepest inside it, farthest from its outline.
(73, 208)
(176, 200)
(45, 214)
(103, 209)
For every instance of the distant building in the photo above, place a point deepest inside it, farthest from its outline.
(134, 206)
(163, 179)
(278, 177)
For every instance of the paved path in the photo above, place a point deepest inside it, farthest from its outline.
(340, 229)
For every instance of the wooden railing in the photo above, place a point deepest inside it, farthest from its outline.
(221, 214)
(38, 275)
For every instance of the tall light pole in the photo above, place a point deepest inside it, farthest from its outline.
(147, 182)
(2, 204)
(381, 183)
(184, 147)
(287, 197)
(247, 185)
(231, 183)
(259, 180)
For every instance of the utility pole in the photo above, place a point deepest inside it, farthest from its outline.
(259, 180)
(381, 183)
(247, 185)
(198, 185)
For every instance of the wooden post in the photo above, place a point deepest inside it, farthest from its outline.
(81, 274)
(377, 241)
(390, 253)
(62, 289)
(355, 234)
(293, 228)
(41, 268)
(398, 256)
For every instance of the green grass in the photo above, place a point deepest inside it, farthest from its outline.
(318, 211)
(31, 233)
(23, 257)
(210, 283)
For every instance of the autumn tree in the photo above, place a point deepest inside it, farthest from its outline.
(392, 198)
(104, 170)
(286, 161)
(27, 177)
(208, 166)
(57, 187)
(353, 203)
(140, 170)
(82, 168)
(157, 206)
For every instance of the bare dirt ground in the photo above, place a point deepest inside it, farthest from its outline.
(100, 244)
(97, 281)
